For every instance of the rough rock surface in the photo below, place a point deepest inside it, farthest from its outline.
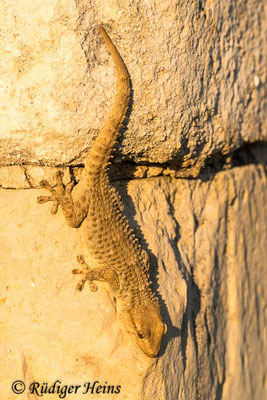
(197, 68)
(207, 246)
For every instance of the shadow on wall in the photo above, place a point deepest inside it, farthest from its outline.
(193, 292)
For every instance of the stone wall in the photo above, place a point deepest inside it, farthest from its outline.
(190, 168)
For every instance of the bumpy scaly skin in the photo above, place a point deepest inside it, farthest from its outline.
(95, 203)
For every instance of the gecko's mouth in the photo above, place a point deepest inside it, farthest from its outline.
(153, 353)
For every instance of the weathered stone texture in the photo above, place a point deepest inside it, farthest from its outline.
(207, 245)
(197, 68)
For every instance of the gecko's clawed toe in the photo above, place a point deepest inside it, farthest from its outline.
(80, 259)
(54, 208)
(80, 285)
(93, 286)
(59, 179)
(44, 184)
(69, 186)
(77, 271)
(59, 174)
(44, 199)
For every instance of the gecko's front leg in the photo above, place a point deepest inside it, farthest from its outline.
(75, 211)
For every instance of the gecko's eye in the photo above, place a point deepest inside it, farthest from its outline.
(140, 335)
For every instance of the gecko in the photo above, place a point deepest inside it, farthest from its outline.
(95, 203)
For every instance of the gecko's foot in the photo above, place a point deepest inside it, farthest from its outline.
(87, 273)
(57, 193)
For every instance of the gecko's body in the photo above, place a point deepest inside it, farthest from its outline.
(95, 203)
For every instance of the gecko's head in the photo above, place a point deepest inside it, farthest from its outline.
(146, 326)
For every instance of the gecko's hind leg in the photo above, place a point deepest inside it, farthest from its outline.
(87, 273)
(95, 274)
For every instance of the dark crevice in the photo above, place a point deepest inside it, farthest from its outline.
(249, 153)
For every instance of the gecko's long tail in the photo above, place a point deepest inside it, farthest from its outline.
(102, 147)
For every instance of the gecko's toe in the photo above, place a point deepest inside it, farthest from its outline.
(80, 259)
(77, 271)
(80, 285)
(44, 199)
(54, 208)
(59, 178)
(59, 174)
(69, 186)
(93, 286)
(44, 184)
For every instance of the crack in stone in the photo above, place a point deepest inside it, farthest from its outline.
(250, 153)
